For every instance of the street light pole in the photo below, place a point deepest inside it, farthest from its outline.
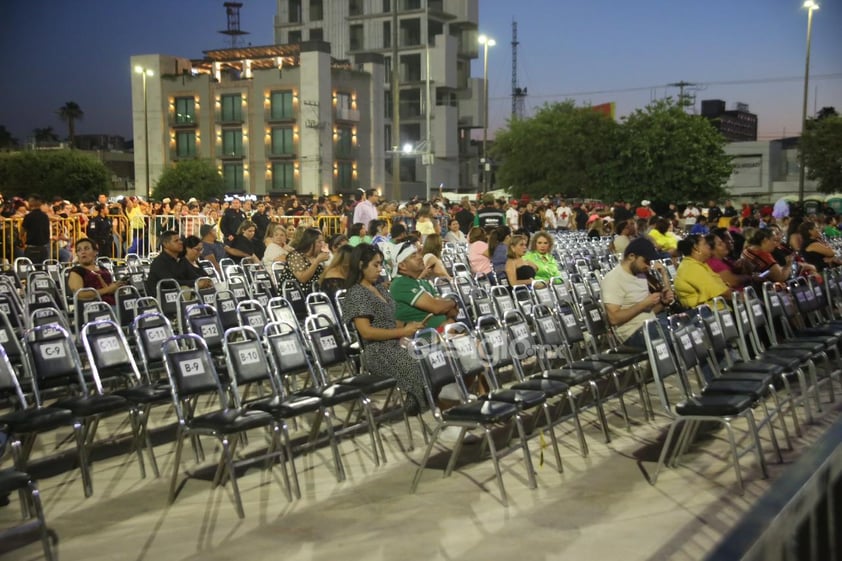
(144, 72)
(811, 6)
(486, 167)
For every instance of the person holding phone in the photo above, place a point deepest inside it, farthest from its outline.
(414, 296)
(369, 305)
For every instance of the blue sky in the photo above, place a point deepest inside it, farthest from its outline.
(55, 51)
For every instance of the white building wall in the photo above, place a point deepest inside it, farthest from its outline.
(315, 137)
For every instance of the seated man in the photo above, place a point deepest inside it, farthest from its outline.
(416, 298)
(168, 264)
(626, 295)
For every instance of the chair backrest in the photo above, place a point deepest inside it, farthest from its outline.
(662, 361)
(246, 359)
(125, 303)
(262, 286)
(48, 316)
(502, 300)
(11, 308)
(437, 368)
(326, 343)
(281, 310)
(481, 304)
(203, 320)
(546, 328)
(522, 296)
(226, 306)
(150, 330)
(9, 338)
(108, 352)
(543, 293)
(288, 351)
(191, 372)
(238, 287)
(318, 303)
(51, 358)
(251, 313)
(291, 291)
(167, 293)
(462, 345)
(9, 383)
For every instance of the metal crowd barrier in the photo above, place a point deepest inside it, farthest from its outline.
(800, 517)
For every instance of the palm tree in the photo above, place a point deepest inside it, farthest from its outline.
(46, 134)
(70, 112)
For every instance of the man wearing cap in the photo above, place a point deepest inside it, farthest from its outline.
(489, 215)
(625, 293)
(643, 211)
(416, 298)
(366, 209)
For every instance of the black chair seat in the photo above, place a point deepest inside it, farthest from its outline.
(550, 387)
(622, 359)
(369, 383)
(827, 340)
(733, 386)
(335, 393)
(760, 377)
(788, 358)
(481, 412)
(93, 405)
(714, 405)
(286, 408)
(231, 421)
(36, 420)
(569, 376)
(596, 366)
(756, 366)
(145, 394)
(11, 480)
(524, 399)
(802, 345)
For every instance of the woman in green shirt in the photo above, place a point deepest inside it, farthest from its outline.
(541, 253)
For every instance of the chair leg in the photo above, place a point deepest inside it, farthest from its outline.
(287, 444)
(580, 434)
(780, 415)
(328, 414)
(457, 449)
(489, 439)
(228, 454)
(82, 451)
(663, 456)
(600, 410)
(147, 439)
(620, 390)
(417, 479)
(374, 432)
(551, 430)
(411, 444)
(527, 457)
(758, 448)
(279, 449)
(20, 465)
(768, 420)
(179, 444)
(793, 405)
(735, 455)
(137, 442)
(44, 533)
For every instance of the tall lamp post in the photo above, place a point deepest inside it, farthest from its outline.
(144, 72)
(486, 166)
(811, 6)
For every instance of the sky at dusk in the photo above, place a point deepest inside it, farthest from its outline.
(598, 51)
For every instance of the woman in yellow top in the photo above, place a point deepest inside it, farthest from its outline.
(424, 222)
(541, 253)
(663, 237)
(695, 282)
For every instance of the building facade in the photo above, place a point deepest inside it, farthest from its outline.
(765, 170)
(433, 40)
(273, 119)
(736, 125)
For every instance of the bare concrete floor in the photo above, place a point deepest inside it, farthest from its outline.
(600, 508)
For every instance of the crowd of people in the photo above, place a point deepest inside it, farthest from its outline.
(720, 250)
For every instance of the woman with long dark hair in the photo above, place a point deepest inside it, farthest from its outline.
(371, 308)
(305, 261)
(814, 249)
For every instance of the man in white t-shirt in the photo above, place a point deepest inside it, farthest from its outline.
(549, 217)
(564, 214)
(625, 293)
(513, 217)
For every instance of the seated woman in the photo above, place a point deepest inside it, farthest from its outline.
(541, 253)
(431, 251)
(378, 232)
(190, 259)
(87, 274)
(336, 273)
(518, 269)
(424, 223)
(371, 308)
(454, 234)
(815, 250)
(241, 248)
(758, 252)
(305, 261)
(356, 235)
(733, 273)
(664, 238)
(498, 250)
(478, 251)
(695, 282)
(276, 245)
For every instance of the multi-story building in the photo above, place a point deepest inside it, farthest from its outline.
(736, 125)
(274, 119)
(444, 31)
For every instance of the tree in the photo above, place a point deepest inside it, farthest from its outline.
(190, 178)
(68, 174)
(70, 112)
(821, 152)
(666, 154)
(7, 141)
(46, 134)
(562, 149)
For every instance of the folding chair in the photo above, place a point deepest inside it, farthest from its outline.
(13, 480)
(191, 373)
(720, 408)
(438, 370)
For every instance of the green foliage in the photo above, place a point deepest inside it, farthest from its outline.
(658, 153)
(190, 178)
(63, 173)
(562, 149)
(7, 141)
(46, 134)
(70, 112)
(666, 154)
(821, 152)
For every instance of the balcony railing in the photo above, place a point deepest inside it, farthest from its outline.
(231, 155)
(229, 118)
(346, 114)
(279, 154)
(181, 120)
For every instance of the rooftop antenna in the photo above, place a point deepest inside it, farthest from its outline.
(232, 11)
(518, 93)
(686, 100)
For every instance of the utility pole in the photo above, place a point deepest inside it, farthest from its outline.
(518, 93)
(682, 100)
(396, 106)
